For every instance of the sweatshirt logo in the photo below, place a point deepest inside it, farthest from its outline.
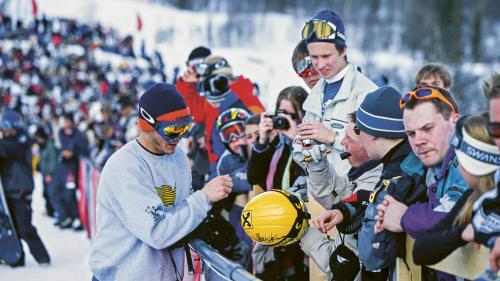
(167, 194)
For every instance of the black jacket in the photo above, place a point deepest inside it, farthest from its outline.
(260, 161)
(16, 168)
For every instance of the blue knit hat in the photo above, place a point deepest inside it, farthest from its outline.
(380, 115)
(10, 120)
(162, 102)
(330, 16)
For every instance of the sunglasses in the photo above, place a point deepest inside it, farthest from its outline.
(304, 67)
(174, 131)
(205, 69)
(356, 130)
(426, 93)
(494, 129)
(231, 132)
(323, 30)
(294, 116)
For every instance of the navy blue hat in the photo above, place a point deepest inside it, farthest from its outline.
(330, 16)
(380, 115)
(162, 102)
(10, 120)
(200, 52)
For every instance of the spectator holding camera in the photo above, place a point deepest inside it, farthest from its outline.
(270, 165)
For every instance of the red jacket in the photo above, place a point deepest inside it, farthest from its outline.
(204, 113)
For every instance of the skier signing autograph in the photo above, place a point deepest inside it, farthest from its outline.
(144, 201)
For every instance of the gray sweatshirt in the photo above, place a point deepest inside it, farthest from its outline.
(144, 205)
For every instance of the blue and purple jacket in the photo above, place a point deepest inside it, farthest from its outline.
(445, 186)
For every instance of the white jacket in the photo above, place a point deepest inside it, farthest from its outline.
(352, 92)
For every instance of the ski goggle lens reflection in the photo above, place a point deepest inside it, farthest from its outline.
(323, 30)
(231, 132)
(304, 67)
(173, 131)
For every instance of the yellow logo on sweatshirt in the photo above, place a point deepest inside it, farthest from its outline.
(167, 194)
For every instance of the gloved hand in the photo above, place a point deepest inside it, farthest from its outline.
(299, 188)
(315, 158)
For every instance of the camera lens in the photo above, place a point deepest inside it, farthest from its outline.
(280, 123)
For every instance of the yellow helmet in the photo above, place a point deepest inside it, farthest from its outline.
(275, 218)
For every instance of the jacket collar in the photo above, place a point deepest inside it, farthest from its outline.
(355, 172)
(339, 76)
(401, 149)
(412, 165)
(315, 99)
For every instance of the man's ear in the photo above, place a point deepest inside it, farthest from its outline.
(454, 118)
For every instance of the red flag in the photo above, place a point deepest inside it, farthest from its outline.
(139, 22)
(35, 8)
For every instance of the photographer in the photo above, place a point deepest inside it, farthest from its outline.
(271, 167)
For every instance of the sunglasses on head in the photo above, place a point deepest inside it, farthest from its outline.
(494, 129)
(304, 67)
(323, 29)
(232, 131)
(426, 93)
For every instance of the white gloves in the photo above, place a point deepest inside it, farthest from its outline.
(315, 158)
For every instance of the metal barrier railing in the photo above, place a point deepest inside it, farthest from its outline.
(220, 264)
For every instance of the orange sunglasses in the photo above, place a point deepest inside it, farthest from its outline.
(425, 93)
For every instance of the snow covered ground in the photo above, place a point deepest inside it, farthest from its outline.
(68, 251)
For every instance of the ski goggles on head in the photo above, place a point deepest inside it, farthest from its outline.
(304, 67)
(323, 29)
(173, 131)
(231, 132)
(205, 69)
(426, 93)
(494, 129)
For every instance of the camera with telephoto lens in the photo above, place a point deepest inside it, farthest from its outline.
(279, 122)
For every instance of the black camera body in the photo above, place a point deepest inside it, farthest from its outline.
(279, 122)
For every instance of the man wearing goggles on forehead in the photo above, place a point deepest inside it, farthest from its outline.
(339, 92)
(145, 197)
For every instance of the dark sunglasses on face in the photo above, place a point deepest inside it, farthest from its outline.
(294, 116)
(356, 130)
(494, 129)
